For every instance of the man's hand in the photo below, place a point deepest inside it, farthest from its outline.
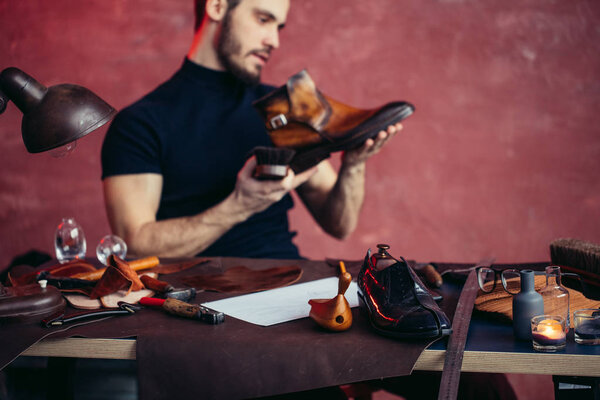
(257, 195)
(370, 147)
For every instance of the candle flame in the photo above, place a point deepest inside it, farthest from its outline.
(551, 329)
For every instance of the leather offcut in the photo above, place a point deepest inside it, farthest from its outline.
(241, 279)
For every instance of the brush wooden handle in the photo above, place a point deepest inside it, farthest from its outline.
(432, 275)
(586, 276)
(136, 265)
(182, 309)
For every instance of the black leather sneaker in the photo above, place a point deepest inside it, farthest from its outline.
(397, 302)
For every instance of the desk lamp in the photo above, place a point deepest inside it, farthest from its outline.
(54, 116)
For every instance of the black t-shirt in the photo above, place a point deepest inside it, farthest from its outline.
(197, 130)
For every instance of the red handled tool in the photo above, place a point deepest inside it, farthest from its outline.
(187, 310)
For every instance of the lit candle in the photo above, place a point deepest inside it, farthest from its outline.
(549, 332)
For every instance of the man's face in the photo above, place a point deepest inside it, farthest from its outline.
(248, 35)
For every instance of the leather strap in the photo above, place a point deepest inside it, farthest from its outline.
(456, 343)
(59, 318)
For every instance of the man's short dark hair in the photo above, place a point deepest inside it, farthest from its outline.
(200, 7)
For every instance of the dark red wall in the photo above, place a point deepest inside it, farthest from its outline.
(501, 157)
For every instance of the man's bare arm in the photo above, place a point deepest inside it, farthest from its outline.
(133, 200)
(335, 200)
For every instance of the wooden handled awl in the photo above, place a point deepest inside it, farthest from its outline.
(334, 314)
(186, 310)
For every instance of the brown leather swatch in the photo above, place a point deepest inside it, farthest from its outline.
(241, 279)
(63, 270)
(118, 275)
(164, 269)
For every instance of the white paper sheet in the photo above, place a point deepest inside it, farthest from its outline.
(283, 304)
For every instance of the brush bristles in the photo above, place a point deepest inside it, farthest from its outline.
(273, 155)
(271, 162)
(576, 253)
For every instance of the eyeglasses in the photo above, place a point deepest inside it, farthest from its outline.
(487, 278)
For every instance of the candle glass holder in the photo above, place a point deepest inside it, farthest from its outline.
(587, 326)
(548, 333)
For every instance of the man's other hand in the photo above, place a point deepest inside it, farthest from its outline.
(371, 146)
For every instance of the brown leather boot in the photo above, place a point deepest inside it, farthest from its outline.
(299, 117)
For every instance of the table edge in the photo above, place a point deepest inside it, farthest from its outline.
(430, 360)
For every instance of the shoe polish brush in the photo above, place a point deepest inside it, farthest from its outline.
(272, 163)
(577, 256)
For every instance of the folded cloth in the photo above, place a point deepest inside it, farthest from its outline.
(241, 279)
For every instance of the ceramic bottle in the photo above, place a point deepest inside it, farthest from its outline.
(526, 304)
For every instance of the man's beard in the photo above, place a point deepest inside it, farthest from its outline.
(227, 47)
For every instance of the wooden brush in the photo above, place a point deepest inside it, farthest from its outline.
(577, 256)
(272, 163)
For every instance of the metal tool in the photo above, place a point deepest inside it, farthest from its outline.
(181, 294)
(59, 318)
(167, 290)
(64, 283)
(187, 310)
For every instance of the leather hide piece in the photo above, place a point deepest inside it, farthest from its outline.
(241, 279)
(171, 268)
(60, 270)
(118, 276)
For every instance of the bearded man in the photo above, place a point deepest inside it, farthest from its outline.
(177, 180)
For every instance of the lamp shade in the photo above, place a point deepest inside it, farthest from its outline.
(54, 116)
